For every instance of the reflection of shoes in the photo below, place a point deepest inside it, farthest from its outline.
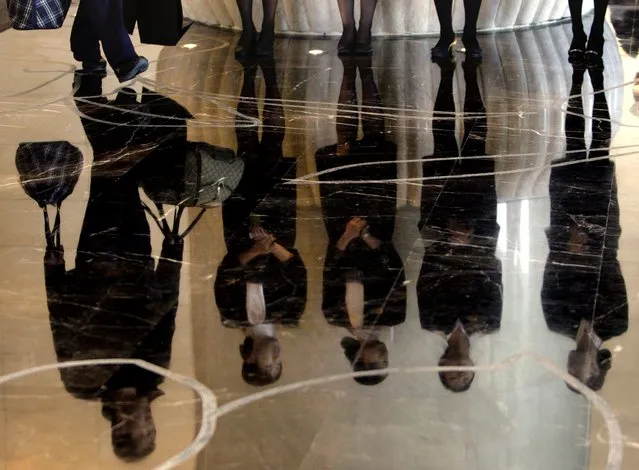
(577, 49)
(471, 44)
(246, 45)
(94, 67)
(131, 69)
(443, 49)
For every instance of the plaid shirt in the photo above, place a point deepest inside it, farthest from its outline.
(38, 14)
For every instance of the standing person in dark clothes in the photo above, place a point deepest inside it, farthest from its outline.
(101, 22)
(364, 289)
(261, 282)
(584, 294)
(115, 303)
(444, 47)
(588, 47)
(250, 43)
(459, 288)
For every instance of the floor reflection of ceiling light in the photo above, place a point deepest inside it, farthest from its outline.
(618, 349)
(189, 46)
(316, 52)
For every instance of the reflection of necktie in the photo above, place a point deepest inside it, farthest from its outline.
(255, 303)
(354, 300)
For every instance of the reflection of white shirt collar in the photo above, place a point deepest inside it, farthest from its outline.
(255, 303)
(354, 303)
(264, 330)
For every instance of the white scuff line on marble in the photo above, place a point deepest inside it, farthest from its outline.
(207, 399)
(307, 179)
(615, 437)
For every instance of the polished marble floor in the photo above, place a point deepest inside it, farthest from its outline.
(364, 263)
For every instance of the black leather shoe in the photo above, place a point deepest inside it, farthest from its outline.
(443, 49)
(246, 45)
(473, 51)
(131, 69)
(94, 67)
(265, 46)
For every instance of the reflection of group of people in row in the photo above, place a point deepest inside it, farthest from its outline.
(99, 310)
(460, 284)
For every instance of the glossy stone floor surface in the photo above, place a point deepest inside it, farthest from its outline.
(319, 263)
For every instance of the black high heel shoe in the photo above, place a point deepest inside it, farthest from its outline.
(346, 45)
(577, 49)
(473, 50)
(443, 49)
(264, 47)
(246, 45)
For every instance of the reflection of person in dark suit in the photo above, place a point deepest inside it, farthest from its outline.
(115, 303)
(584, 295)
(460, 283)
(261, 282)
(364, 287)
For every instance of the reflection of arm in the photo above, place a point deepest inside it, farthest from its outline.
(167, 274)
(295, 272)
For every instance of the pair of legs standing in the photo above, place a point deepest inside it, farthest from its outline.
(356, 39)
(582, 46)
(102, 22)
(249, 43)
(443, 48)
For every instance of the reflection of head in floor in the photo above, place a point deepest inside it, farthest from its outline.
(364, 287)
(261, 282)
(584, 295)
(115, 303)
(460, 283)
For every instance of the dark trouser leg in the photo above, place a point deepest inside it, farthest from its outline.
(596, 39)
(471, 13)
(578, 34)
(347, 13)
(85, 43)
(445, 16)
(108, 23)
(446, 34)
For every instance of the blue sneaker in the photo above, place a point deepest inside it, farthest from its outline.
(131, 69)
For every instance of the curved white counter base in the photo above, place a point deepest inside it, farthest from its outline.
(393, 17)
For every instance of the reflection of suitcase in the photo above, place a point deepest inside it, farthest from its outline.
(38, 14)
(159, 22)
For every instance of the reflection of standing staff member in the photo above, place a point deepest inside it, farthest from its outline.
(261, 282)
(460, 283)
(363, 274)
(584, 295)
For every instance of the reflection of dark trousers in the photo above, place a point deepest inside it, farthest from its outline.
(101, 21)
